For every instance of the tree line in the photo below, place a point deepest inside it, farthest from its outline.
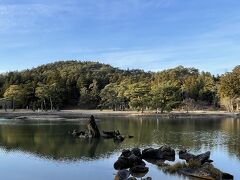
(91, 85)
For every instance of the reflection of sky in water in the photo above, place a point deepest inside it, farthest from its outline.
(18, 165)
(44, 151)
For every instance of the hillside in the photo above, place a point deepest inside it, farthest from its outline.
(85, 84)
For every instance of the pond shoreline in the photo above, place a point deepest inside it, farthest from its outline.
(83, 114)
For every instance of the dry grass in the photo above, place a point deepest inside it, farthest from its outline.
(216, 173)
(193, 164)
(213, 171)
(176, 167)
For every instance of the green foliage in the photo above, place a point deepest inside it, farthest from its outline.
(165, 96)
(109, 96)
(139, 95)
(229, 89)
(76, 84)
(15, 93)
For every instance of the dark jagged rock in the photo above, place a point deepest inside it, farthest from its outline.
(123, 174)
(126, 153)
(197, 165)
(150, 153)
(139, 169)
(227, 176)
(111, 134)
(168, 153)
(147, 178)
(130, 136)
(137, 152)
(92, 128)
(202, 158)
(164, 152)
(122, 163)
(128, 160)
(135, 161)
(119, 138)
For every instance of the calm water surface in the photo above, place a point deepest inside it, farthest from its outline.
(37, 150)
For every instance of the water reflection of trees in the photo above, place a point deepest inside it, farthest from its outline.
(52, 141)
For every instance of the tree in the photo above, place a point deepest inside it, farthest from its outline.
(49, 93)
(15, 94)
(138, 95)
(42, 94)
(207, 88)
(190, 87)
(229, 89)
(109, 96)
(165, 96)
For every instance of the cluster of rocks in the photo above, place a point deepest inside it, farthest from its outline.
(131, 162)
(78, 133)
(201, 158)
(93, 132)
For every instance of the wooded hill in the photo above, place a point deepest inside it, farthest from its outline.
(90, 85)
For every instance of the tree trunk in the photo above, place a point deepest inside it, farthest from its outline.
(5, 106)
(92, 128)
(13, 104)
(161, 110)
(45, 106)
(51, 103)
(237, 106)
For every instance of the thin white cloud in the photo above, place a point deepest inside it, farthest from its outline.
(28, 15)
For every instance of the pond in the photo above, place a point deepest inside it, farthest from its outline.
(36, 150)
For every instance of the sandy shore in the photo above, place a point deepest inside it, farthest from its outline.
(76, 115)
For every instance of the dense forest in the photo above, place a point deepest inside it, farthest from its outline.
(91, 85)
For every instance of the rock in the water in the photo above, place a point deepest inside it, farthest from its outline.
(147, 178)
(164, 152)
(126, 153)
(150, 153)
(132, 178)
(137, 152)
(227, 176)
(139, 169)
(111, 134)
(202, 158)
(92, 128)
(128, 160)
(135, 161)
(167, 152)
(119, 138)
(122, 163)
(123, 174)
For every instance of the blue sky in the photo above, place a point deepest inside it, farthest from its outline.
(146, 34)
